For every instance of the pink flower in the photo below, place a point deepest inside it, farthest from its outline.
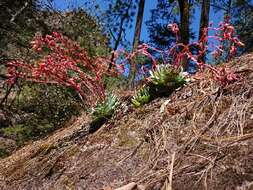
(173, 27)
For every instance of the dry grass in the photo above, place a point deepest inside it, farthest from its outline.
(200, 139)
(204, 135)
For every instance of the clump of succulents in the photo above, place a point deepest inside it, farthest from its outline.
(165, 75)
(104, 110)
(164, 80)
(142, 97)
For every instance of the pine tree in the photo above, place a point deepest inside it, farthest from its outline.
(163, 14)
(118, 18)
(204, 20)
(137, 35)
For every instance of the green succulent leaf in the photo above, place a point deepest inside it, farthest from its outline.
(165, 75)
(142, 97)
(106, 108)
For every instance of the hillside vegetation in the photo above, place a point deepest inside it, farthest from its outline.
(89, 101)
(201, 133)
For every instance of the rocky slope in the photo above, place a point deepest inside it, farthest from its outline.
(199, 138)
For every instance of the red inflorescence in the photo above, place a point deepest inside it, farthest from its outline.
(224, 33)
(66, 64)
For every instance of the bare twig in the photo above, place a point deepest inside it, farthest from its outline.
(171, 171)
(13, 18)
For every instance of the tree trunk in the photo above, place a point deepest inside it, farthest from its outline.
(184, 8)
(229, 7)
(184, 21)
(137, 34)
(204, 21)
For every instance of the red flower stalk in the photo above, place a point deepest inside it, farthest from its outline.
(66, 64)
(224, 33)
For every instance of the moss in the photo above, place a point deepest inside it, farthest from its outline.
(141, 111)
(144, 152)
(28, 131)
(45, 149)
(125, 139)
(4, 153)
(72, 151)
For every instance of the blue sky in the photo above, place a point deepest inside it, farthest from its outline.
(215, 17)
(150, 4)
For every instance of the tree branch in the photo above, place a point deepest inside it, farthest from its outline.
(218, 7)
(18, 12)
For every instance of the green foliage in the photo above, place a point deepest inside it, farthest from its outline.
(40, 109)
(242, 18)
(29, 130)
(142, 97)
(115, 83)
(85, 29)
(18, 132)
(18, 27)
(52, 103)
(3, 153)
(106, 108)
(118, 18)
(159, 34)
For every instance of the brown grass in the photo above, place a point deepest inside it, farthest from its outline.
(201, 140)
